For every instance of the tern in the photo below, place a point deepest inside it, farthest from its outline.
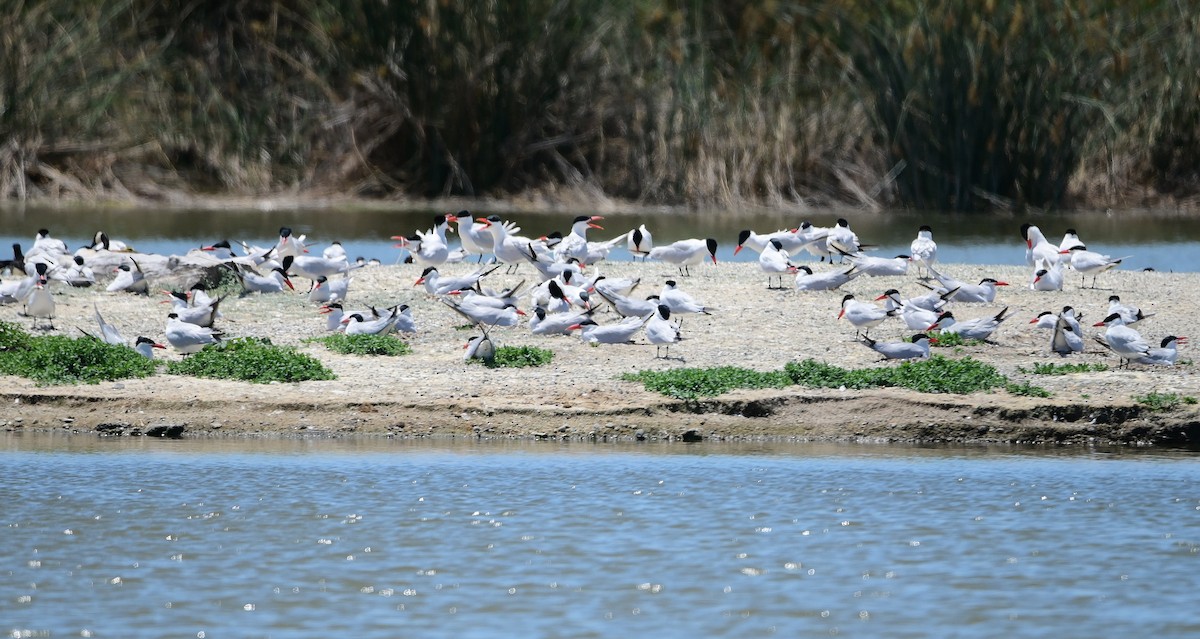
(806, 280)
(1044, 320)
(575, 244)
(1129, 314)
(254, 282)
(984, 292)
(311, 267)
(488, 316)
(862, 315)
(923, 249)
(189, 338)
(879, 266)
(1068, 334)
(101, 241)
(508, 248)
(325, 290)
(437, 284)
(917, 348)
(1092, 263)
(619, 333)
(108, 333)
(356, 324)
(480, 347)
(202, 315)
(640, 241)
(1164, 355)
(775, 262)
(40, 303)
(627, 306)
(680, 301)
(686, 253)
(473, 235)
(546, 323)
(78, 274)
(1047, 277)
(979, 328)
(131, 280)
(1126, 342)
(17, 263)
(289, 244)
(1037, 247)
(841, 240)
(429, 248)
(145, 346)
(914, 317)
(661, 331)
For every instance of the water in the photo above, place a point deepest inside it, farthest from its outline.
(373, 538)
(1163, 240)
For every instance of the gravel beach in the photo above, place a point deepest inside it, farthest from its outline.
(579, 396)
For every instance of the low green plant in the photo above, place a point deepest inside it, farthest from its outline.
(1163, 401)
(692, 383)
(13, 337)
(521, 356)
(57, 359)
(363, 344)
(955, 340)
(251, 360)
(935, 375)
(816, 374)
(1064, 369)
(1026, 389)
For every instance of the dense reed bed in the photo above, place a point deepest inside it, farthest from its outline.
(946, 104)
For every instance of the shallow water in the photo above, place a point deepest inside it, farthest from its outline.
(1163, 240)
(374, 538)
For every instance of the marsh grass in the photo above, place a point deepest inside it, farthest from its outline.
(948, 105)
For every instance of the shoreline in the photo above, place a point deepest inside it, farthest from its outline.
(578, 396)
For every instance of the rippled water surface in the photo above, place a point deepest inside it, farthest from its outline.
(117, 538)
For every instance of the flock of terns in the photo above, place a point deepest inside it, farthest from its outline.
(565, 300)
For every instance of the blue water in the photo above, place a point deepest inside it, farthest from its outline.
(1162, 240)
(373, 538)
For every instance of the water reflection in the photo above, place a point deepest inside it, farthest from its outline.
(1164, 240)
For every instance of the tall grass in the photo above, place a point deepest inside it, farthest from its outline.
(987, 102)
(948, 104)
(61, 86)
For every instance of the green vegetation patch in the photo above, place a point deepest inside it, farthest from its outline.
(251, 360)
(1163, 401)
(1064, 369)
(363, 344)
(1026, 390)
(936, 375)
(57, 359)
(521, 356)
(950, 340)
(691, 383)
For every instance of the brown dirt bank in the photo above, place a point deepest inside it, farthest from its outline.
(869, 416)
(579, 396)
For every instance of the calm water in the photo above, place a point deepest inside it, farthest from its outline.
(1162, 240)
(116, 538)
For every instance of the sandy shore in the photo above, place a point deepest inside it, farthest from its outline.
(432, 392)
